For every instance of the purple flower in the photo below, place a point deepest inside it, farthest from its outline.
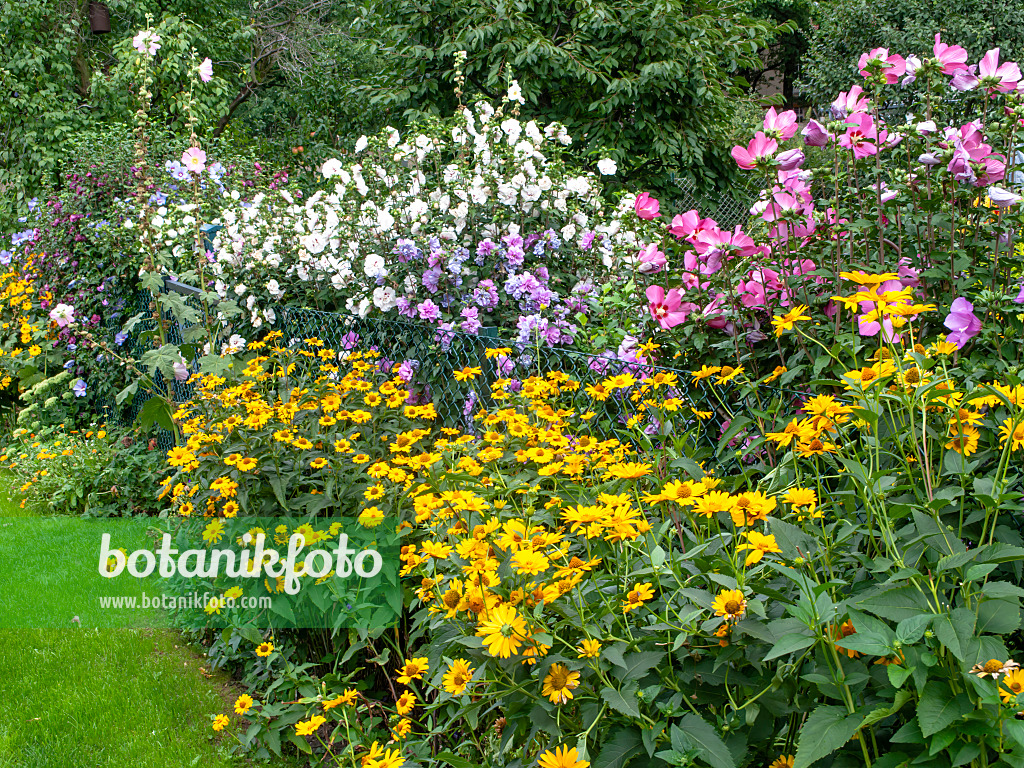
(432, 279)
(815, 134)
(349, 340)
(1020, 296)
(428, 310)
(407, 369)
(181, 370)
(963, 323)
(791, 159)
(587, 240)
(79, 388)
(1002, 197)
(472, 323)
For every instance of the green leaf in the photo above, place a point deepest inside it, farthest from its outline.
(955, 630)
(622, 702)
(788, 644)
(826, 730)
(447, 758)
(157, 410)
(706, 740)
(635, 665)
(623, 745)
(939, 708)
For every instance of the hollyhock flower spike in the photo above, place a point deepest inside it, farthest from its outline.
(760, 148)
(780, 126)
(951, 57)
(963, 323)
(646, 207)
(666, 308)
(995, 76)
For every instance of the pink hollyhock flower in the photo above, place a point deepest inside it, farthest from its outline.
(717, 241)
(752, 293)
(146, 42)
(194, 159)
(893, 66)
(665, 308)
(690, 280)
(714, 318)
(646, 207)
(1003, 78)
(850, 102)
(688, 225)
(815, 135)
(860, 135)
(760, 148)
(651, 260)
(963, 323)
(951, 57)
(780, 126)
(206, 70)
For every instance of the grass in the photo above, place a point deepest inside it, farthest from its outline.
(104, 698)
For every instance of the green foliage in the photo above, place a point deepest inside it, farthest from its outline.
(847, 28)
(653, 80)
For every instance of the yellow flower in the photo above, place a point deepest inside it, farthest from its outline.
(559, 684)
(406, 702)
(1012, 685)
(589, 649)
(965, 443)
(782, 761)
(243, 704)
(457, 677)
(758, 545)
(1012, 430)
(503, 631)
(562, 757)
(467, 374)
(220, 722)
(730, 604)
(705, 372)
(412, 670)
(213, 532)
(628, 470)
(529, 562)
(264, 649)
(308, 727)
(729, 373)
(786, 322)
(637, 596)
(862, 278)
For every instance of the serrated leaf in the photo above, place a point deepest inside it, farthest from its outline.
(635, 665)
(939, 708)
(788, 644)
(622, 702)
(826, 730)
(619, 748)
(706, 739)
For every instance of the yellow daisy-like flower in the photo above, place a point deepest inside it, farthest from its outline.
(705, 372)
(559, 684)
(264, 649)
(243, 704)
(783, 323)
(309, 727)
(782, 761)
(562, 757)
(406, 702)
(467, 374)
(503, 631)
(220, 722)
(729, 604)
(246, 465)
(965, 442)
(637, 596)
(589, 649)
(1012, 430)
(413, 669)
(758, 545)
(458, 676)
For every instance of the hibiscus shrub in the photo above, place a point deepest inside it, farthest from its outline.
(924, 198)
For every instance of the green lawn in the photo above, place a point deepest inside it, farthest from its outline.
(104, 698)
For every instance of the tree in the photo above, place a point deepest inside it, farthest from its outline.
(647, 81)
